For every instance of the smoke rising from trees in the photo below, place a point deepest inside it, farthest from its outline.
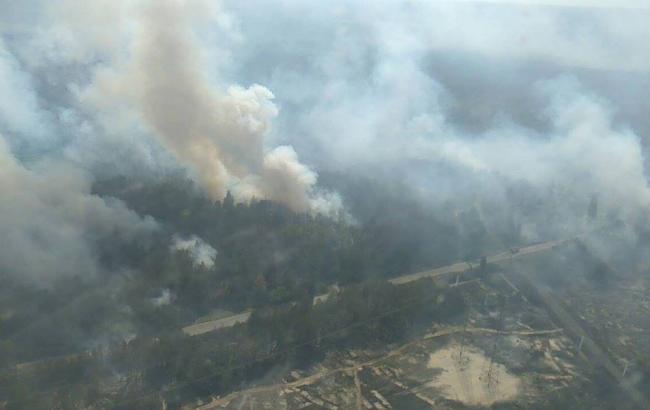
(491, 96)
(219, 132)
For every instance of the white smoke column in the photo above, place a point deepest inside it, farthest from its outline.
(200, 251)
(219, 133)
(164, 299)
(285, 177)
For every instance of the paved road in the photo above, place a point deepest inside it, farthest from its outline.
(458, 267)
(209, 326)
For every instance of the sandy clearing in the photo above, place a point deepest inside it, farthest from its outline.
(469, 377)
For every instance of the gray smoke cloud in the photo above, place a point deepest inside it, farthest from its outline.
(501, 92)
(20, 115)
(495, 94)
(50, 220)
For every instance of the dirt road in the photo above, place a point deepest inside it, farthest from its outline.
(221, 402)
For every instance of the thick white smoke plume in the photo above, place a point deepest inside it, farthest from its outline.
(499, 92)
(218, 131)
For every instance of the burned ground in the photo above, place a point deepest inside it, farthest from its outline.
(508, 351)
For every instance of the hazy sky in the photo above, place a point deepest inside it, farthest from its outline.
(633, 4)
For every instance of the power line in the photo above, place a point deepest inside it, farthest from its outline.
(243, 365)
(273, 354)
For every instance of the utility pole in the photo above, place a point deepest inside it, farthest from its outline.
(582, 339)
(492, 379)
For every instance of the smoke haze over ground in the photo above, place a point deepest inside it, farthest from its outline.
(182, 181)
(49, 220)
(461, 102)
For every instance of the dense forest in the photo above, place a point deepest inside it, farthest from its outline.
(208, 259)
(180, 368)
(262, 256)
